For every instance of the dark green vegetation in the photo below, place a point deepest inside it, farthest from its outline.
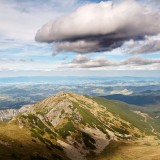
(66, 129)
(88, 141)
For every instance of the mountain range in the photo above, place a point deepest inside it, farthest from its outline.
(67, 126)
(144, 98)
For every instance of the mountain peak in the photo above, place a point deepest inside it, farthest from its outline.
(63, 94)
(77, 121)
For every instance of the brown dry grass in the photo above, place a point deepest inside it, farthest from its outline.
(17, 143)
(124, 151)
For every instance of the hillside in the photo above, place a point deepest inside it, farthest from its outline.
(133, 114)
(69, 126)
(142, 99)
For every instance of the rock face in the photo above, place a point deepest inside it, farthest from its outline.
(10, 113)
(25, 108)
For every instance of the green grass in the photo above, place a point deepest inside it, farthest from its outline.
(89, 118)
(35, 122)
(39, 131)
(66, 129)
(125, 112)
(120, 130)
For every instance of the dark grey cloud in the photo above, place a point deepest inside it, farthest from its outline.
(101, 27)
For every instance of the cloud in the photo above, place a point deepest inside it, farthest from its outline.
(82, 61)
(20, 19)
(24, 65)
(155, 3)
(29, 5)
(101, 26)
(140, 61)
(99, 91)
(123, 92)
(80, 46)
(149, 45)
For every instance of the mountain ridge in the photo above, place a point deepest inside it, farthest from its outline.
(75, 126)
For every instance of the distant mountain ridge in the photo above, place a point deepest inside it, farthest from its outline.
(40, 79)
(139, 100)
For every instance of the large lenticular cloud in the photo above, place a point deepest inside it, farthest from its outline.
(101, 27)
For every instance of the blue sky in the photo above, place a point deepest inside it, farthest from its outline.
(21, 55)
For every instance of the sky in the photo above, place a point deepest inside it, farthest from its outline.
(79, 37)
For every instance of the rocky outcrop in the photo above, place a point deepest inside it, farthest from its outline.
(8, 114)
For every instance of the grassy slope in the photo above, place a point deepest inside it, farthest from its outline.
(153, 111)
(141, 100)
(125, 112)
(20, 144)
(124, 151)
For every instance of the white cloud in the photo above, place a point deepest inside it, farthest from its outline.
(25, 65)
(123, 92)
(99, 91)
(101, 26)
(140, 61)
(21, 19)
(84, 62)
(132, 63)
